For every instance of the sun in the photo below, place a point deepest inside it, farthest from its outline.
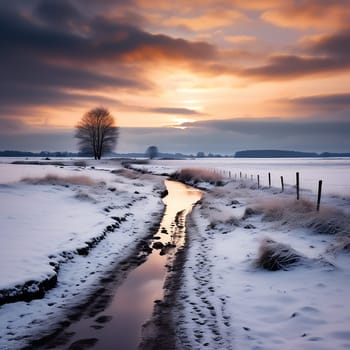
(178, 122)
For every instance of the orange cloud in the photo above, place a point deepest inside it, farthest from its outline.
(310, 14)
(213, 19)
(240, 38)
(186, 6)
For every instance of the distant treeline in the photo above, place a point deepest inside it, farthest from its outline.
(46, 154)
(240, 154)
(40, 154)
(286, 154)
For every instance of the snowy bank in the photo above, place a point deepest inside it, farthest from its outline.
(63, 227)
(229, 300)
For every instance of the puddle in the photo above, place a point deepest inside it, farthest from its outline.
(119, 325)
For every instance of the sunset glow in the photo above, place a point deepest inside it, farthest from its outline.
(180, 63)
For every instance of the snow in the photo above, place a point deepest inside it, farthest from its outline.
(226, 301)
(334, 172)
(45, 223)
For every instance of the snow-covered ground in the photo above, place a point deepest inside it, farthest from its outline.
(236, 305)
(334, 172)
(228, 301)
(50, 221)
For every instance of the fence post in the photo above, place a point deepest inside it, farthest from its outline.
(240, 175)
(258, 181)
(282, 183)
(298, 186)
(319, 195)
(230, 174)
(269, 180)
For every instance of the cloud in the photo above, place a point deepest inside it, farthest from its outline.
(104, 40)
(334, 44)
(187, 6)
(169, 110)
(323, 106)
(49, 53)
(284, 67)
(39, 141)
(214, 18)
(332, 101)
(217, 136)
(58, 12)
(321, 54)
(309, 14)
(229, 136)
(8, 126)
(240, 38)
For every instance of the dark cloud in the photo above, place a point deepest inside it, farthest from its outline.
(332, 102)
(336, 44)
(325, 55)
(169, 110)
(104, 40)
(275, 127)
(228, 136)
(56, 47)
(58, 12)
(39, 141)
(9, 125)
(31, 73)
(223, 136)
(28, 83)
(291, 67)
(11, 96)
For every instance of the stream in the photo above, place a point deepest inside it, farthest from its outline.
(131, 305)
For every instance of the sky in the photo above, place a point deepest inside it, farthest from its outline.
(187, 76)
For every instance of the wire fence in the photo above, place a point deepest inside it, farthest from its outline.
(257, 180)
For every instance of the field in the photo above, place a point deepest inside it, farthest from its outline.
(262, 270)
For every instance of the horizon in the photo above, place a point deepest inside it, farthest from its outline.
(185, 76)
(199, 154)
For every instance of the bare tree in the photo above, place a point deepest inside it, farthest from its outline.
(96, 132)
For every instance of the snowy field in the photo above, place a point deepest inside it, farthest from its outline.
(51, 217)
(231, 298)
(263, 271)
(334, 172)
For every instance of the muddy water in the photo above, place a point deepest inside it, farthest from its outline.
(119, 325)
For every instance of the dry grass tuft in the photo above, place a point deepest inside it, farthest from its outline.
(129, 174)
(249, 211)
(329, 221)
(342, 242)
(51, 179)
(196, 175)
(284, 209)
(302, 213)
(276, 256)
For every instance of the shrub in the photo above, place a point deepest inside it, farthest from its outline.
(51, 179)
(195, 175)
(275, 256)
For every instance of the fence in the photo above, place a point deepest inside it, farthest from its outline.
(228, 174)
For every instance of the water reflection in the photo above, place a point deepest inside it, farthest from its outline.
(132, 303)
